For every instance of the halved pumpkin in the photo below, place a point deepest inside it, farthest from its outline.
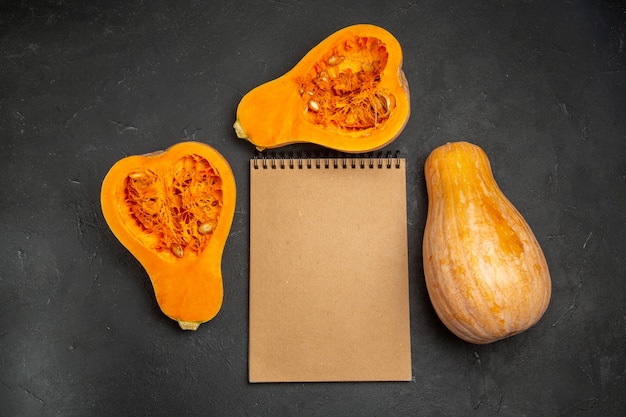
(348, 93)
(173, 211)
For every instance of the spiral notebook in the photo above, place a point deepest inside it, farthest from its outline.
(328, 269)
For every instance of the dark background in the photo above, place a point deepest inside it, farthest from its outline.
(541, 86)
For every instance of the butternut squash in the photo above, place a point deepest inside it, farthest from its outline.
(348, 93)
(173, 211)
(485, 272)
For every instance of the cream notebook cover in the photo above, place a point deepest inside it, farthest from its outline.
(328, 270)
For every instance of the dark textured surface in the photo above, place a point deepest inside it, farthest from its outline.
(541, 87)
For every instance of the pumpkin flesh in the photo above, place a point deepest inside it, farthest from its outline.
(173, 211)
(348, 93)
(485, 272)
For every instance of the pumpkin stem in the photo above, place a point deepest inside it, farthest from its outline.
(188, 325)
(241, 134)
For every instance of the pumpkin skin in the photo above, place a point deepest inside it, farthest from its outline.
(485, 272)
(348, 93)
(173, 211)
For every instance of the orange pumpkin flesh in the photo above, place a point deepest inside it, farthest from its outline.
(348, 93)
(485, 272)
(173, 211)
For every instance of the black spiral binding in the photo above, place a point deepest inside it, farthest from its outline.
(309, 160)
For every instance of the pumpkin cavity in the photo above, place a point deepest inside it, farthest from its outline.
(340, 92)
(175, 210)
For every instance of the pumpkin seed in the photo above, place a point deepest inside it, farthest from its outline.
(335, 60)
(206, 227)
(177, 250)
(384, 103)
(367, 67)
